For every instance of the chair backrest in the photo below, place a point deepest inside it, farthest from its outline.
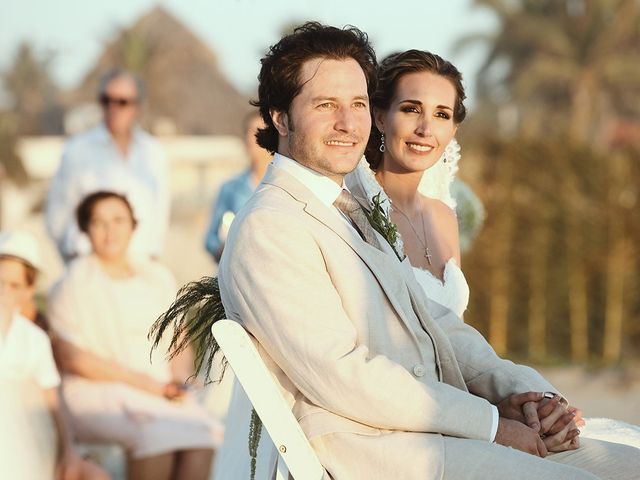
(259, 385)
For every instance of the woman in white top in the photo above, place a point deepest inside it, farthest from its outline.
(100, 314)
(411, 160)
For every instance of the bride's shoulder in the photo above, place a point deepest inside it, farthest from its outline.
(444, 225)
(439, 212)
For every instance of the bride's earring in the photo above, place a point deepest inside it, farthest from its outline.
(450, 151)
(382, 147)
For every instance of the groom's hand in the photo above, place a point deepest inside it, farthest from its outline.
(523, 408)
(513, 433)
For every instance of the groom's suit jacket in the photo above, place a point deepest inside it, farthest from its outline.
(349, 334)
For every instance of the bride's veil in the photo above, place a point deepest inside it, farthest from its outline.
(436, 181)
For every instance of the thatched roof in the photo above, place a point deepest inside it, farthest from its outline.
(183, 82)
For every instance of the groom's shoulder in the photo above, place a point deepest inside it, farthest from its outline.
(268, 205)
(272, 198)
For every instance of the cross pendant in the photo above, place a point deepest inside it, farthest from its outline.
(427, 255)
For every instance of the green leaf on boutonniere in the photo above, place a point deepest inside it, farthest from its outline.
(380, 221)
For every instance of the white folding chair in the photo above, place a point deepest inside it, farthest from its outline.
(296, 455)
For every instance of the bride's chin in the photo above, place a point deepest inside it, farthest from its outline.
(416, 166)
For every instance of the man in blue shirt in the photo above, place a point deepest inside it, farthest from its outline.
(235, 192)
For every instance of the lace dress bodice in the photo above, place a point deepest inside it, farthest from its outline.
(452, 291)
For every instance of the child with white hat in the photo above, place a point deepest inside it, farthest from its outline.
(20, 254)
(26, 360)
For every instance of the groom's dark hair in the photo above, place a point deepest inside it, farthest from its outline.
(279, 77)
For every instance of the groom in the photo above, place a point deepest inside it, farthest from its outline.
(385, 383)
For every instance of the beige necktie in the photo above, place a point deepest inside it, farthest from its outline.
(348, 205)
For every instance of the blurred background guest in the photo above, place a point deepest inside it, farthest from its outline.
(115, 155)
(235, 192)
(100, 314)
(31, 409)
(21, 249)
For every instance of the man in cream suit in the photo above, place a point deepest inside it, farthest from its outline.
(384, 383)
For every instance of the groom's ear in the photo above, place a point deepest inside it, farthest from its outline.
(378, 118)
(280, 120)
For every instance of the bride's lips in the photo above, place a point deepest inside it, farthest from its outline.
(420, 147)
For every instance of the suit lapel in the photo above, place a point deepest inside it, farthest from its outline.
(377, 261)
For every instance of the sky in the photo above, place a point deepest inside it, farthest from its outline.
(240, 31)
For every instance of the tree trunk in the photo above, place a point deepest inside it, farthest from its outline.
(614, 309)
(499, 290)
(499, 309)
(576, 273)
(582, 109)
(537, 291)
(616, 269)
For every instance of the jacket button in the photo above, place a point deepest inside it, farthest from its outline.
(418, 370)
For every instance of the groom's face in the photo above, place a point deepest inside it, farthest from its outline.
(328, 123)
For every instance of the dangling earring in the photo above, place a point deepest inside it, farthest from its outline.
(382, 147)
(446, 153)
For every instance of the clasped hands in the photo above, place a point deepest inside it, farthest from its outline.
(538, 423)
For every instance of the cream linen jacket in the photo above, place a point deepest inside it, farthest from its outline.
(349, 334)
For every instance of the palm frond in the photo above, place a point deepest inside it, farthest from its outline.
(189, 319)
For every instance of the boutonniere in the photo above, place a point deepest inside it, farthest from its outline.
(379, 219)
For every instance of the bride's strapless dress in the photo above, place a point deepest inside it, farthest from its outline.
(453, 292)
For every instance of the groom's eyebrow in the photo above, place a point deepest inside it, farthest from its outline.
(324, 98)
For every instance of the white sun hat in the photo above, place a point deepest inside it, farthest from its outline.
(22, 245)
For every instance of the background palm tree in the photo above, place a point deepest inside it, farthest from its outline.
(560, 78)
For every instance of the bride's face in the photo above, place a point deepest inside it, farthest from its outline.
(419, 123)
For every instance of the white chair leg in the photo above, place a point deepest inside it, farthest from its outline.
(282, 473)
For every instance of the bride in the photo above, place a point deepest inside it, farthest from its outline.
(411, 161)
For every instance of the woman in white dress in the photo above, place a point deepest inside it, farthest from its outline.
(411, 160)
(100, 314)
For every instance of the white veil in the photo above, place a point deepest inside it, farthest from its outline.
(435, 183)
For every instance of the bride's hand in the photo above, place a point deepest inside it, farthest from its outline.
(578, 419)
(566, 439)
(555, 415)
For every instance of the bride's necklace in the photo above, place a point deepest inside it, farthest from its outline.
(424, 243)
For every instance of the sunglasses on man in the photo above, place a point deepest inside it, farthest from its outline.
(106, 100)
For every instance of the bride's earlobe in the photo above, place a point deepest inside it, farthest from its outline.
(378, 119)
